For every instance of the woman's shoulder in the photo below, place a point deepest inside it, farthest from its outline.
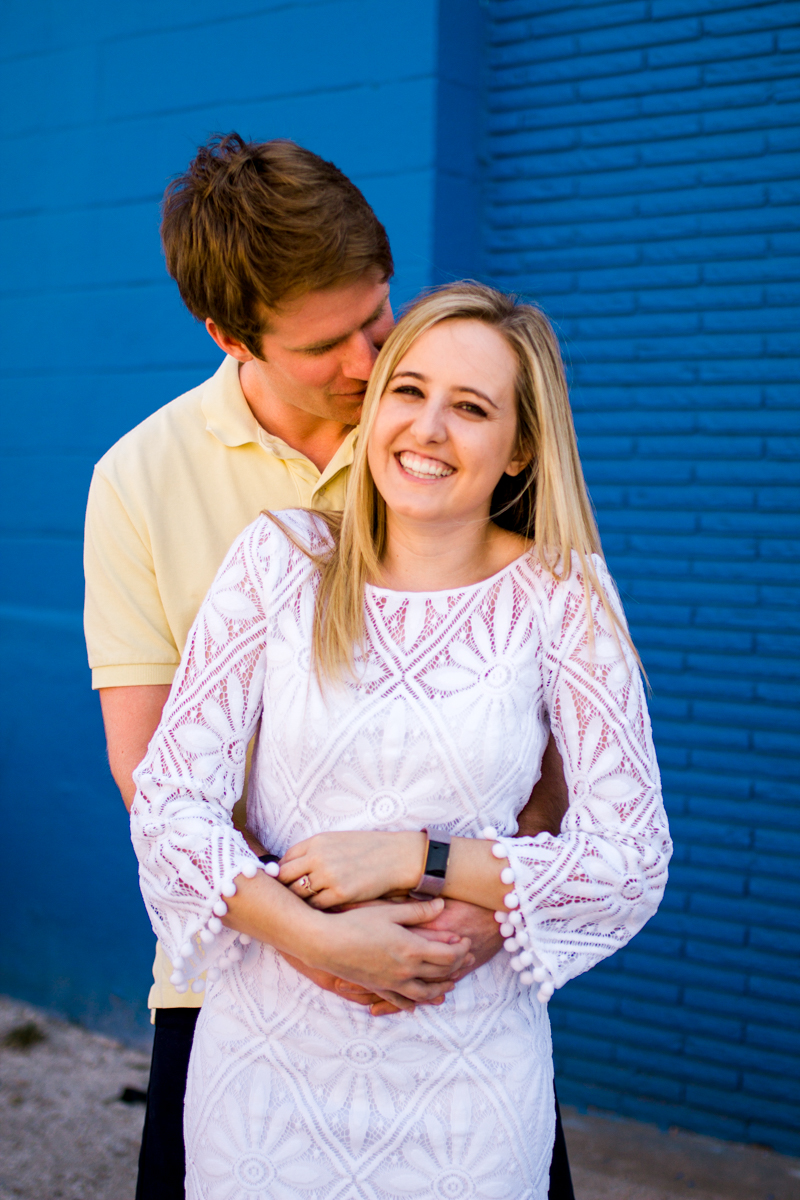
(300, 527)
(274, 539)
(553, 583)
(544, 565)
(290, 526)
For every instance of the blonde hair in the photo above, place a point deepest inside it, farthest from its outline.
(548, 503)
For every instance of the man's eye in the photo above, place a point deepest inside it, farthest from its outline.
(317, 350)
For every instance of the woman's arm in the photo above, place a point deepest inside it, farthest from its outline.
(359, 870)
(193, 773)
(345, 868)
(193, 862)
(581, 893)
(370, 946)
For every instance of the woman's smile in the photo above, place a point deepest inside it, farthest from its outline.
(421, 466)
(446, 426)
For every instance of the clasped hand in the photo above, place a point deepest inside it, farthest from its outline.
(351, 867)
(355, 869)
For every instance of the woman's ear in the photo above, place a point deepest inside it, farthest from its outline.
(518, 463)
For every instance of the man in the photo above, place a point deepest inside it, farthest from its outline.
(281, 257)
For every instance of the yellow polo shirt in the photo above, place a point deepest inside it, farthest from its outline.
(165, 504)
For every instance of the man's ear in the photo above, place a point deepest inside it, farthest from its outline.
(228, 344)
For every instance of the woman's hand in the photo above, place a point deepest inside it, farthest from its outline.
(331, 869)
(373, 947)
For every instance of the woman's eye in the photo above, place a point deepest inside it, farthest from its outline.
(407, 389)
(473, 409)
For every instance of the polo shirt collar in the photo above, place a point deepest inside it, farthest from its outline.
(227, 413)
(230, 419)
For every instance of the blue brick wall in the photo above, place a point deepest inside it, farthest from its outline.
(637, 176)
(102, 103)
(642, 187)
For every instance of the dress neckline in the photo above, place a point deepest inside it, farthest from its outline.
(456, 591)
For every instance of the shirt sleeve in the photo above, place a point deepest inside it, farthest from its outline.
(128, 637)
(182, 816)
(583, 894)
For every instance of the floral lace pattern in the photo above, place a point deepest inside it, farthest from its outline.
(294, 1092)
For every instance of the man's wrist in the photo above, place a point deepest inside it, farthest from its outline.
(253, 843)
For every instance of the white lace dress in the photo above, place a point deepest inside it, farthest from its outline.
(294, 1092)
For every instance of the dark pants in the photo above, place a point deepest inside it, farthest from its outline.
(560, 1178)
(162, 1165)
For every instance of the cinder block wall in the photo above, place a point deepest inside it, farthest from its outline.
(102, 104)
(643, 164)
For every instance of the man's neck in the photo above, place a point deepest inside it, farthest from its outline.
(318, 438)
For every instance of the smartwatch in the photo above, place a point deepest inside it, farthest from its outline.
(432, 881)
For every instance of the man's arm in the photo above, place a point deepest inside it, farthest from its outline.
(130, 717)
(549, 800)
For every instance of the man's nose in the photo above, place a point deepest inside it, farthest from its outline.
(359, 357)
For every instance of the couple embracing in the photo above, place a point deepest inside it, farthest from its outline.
(409, 644)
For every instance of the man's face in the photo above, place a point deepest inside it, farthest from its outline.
(321, 348)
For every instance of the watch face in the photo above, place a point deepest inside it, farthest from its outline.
(438, 854)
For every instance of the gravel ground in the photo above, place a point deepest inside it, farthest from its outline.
(66, 1133)
(614, 1159)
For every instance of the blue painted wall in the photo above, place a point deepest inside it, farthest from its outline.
(642, 187)
(101, 105)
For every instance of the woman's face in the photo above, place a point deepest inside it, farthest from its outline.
(446, 427)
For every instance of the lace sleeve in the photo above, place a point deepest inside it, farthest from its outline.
(584, 894)
(181, 820)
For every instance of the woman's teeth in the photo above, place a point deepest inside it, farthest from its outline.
(424, 468)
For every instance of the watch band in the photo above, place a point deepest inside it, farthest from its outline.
(433, 876)
(269, 858)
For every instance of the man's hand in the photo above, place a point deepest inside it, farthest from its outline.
(340, 987)
(467, 920)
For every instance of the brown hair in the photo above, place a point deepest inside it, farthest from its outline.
(250, 225)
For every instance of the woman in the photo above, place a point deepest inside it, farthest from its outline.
(407, 666)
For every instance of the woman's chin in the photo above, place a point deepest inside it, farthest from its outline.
(416, 511)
